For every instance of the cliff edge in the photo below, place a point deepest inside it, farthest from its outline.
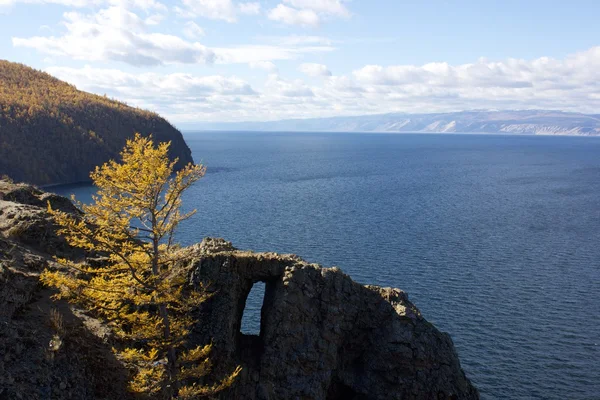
(322, 336)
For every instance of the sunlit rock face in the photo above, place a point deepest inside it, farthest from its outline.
(322, 335)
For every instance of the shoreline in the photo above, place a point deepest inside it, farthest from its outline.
(391, 133)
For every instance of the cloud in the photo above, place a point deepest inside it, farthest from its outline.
(154, 19)
(253, 53)
(277, 86)
(141, 4)
(116, 34)
(292, 16)
(571, 84)
(483, 74)
(212, 9)
(225, 10)
(276, 48)
(294, 40)
(567, 84)
(192, 31)
(249, 8)
(264, 65)
(307, 12)
(314, 70)
(176, 96)
(150, 85)
(68, 3)
(332, 7)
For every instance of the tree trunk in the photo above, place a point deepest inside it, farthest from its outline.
(170, 388)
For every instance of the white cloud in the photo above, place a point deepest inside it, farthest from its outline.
(567, 84)
(483, 74)
(253, 53)
(150, 85)
(141, 4)
(264, 65)
(294, 40)
(68, 3)
(225, 10)
(116, 34)
(292, 16)
(154, 19)
(277, 86)
(249, 8)
(307, 12)
(175, 96)
(332, 7)
(192, 31)
(570, 84)
(314, 70)
(277, 48)
(213, 9)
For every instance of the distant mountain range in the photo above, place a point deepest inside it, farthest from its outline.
(533, 122)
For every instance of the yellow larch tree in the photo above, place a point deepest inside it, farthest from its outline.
(138, 288)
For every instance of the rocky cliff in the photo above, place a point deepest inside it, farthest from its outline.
(322, 336)
(48, 350)
(52, 133)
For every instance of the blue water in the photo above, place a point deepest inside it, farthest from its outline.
(495, 238)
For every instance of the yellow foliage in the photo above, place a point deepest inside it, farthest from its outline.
(131, 222)
(194, 391)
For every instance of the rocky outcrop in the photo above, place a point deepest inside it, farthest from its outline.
(48, 349)
(322, 336)
(23, 217)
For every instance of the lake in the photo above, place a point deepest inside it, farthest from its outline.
(495, 238)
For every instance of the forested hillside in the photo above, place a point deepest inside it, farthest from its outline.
(50, 132)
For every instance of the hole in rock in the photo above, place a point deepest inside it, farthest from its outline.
(251, 315)
(340, 391)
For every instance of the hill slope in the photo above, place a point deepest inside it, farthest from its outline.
(52, 133)
(536, 122)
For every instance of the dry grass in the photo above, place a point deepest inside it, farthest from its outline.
(57, 322)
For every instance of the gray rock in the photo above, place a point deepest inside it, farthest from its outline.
(322, 336)
(30, 368)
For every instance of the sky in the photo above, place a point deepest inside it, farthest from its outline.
(250, 60)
